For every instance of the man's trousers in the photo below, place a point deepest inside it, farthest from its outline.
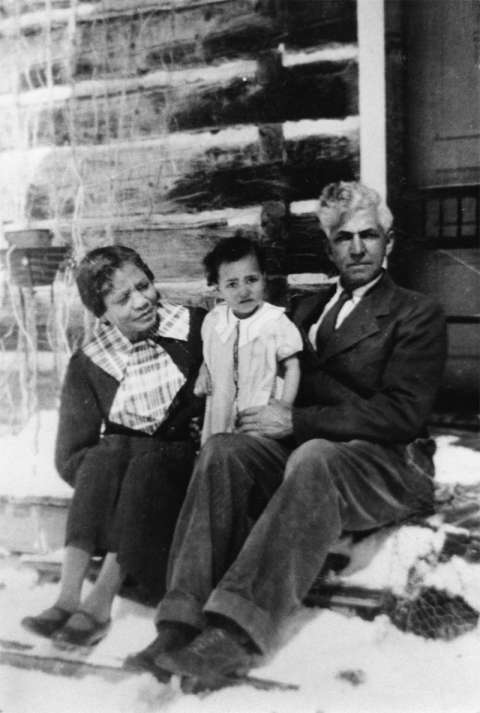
(258, 522)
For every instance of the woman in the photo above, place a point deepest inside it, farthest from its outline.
(123, 441)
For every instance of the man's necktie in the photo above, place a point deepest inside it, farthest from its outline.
(327, 325)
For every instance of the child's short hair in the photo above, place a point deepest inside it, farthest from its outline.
(230, 250)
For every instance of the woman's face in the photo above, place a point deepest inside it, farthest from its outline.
(131, 304)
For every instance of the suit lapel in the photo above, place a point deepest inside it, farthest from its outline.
(362, 322)
(308, 313)
(311, 308)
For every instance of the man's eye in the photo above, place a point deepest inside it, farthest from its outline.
(369, 234)
(342, 237)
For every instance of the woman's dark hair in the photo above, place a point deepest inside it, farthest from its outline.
(231, 250)
(95, 271)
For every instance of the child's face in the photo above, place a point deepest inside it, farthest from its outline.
(242, 285)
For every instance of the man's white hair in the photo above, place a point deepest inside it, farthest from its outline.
(338, 202)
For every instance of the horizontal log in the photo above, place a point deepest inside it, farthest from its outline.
(134, 41)
(185, 171)
(310, 21)
(175, 252)
(310, 162)
(136, 109)
(33, 61)
(306, 246)
(140, 41)
(175, 248)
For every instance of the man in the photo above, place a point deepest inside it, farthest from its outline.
(266, 505)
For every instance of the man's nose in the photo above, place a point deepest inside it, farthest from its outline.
(357, 246)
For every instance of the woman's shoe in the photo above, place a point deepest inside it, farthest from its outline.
(48, 622)
(89, 634)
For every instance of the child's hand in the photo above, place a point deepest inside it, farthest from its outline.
(203, 384)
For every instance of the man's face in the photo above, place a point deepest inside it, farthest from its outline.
(358, 247)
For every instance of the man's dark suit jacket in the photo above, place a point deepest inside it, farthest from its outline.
(378, 376)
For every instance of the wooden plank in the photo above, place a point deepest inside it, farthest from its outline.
(58, 664)
(174, 246)
(139, 39)
(306, 247)
(192, 235)
(192, 172)
(134, 109)
(310, 21)
(173, 253)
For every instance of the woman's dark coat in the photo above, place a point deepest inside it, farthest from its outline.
(128, 486)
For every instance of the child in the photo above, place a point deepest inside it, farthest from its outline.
(247, 342)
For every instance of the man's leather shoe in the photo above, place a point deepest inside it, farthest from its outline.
(215, 653)
(171, 636)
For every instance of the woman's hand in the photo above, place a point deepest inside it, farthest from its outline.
(273, 420)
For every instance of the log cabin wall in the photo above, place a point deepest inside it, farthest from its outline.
(167, 125)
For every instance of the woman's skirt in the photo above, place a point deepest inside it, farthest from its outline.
(127, 497)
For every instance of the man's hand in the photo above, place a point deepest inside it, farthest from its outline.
(273, 420)
(203, 384)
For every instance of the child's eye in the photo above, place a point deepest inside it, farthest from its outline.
(252, 279)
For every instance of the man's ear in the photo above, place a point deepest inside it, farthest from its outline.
(390, 241)
(327, 245)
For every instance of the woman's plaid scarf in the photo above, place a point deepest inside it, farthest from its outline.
(148, 377)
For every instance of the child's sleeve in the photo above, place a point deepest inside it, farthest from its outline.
(289, 341)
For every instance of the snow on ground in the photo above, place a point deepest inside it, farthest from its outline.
(341, 664)
(26, 460)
